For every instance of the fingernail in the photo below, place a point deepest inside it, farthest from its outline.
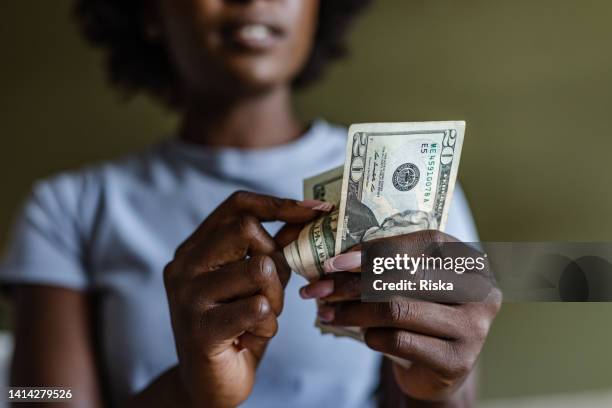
(317, 205)
(312, 204)
(326, 207)
(326, 313)
(317, 290)
(343, 262)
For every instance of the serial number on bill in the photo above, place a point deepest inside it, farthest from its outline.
(31, 394)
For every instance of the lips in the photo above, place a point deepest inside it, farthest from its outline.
(251, 35)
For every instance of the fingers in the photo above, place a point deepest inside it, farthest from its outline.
(234, 229)
(244, 235)
(435, 353)
(282, 267)
(224, 323)
(483, 314)
(425, 318)
(335, 288)
(349, 261)
(228, 242)
(317, 290)
(241, 279)
(414, 243)
(216, 294)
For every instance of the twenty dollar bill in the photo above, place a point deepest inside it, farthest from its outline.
(398, 178)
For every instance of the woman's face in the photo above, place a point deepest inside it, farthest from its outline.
(237, 45)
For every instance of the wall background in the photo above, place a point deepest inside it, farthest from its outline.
(533, 79)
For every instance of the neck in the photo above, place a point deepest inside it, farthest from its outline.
(261, 120)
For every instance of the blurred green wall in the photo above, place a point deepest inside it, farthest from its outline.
(533, 79)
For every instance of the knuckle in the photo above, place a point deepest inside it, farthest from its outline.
(464, 365)
(194, 300)
(274, 328)
(248, 226)
(457, 369)
(481, 327)
(182, 248)
(239, 196)
(400, 342)
(260, 270)
(460, 363)
(275, 203)
(496, 300)
(169, 275)
(394, 312)
(268, 329)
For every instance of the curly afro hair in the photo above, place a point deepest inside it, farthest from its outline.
(135, 63)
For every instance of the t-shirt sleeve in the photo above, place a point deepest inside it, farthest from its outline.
(45, 246)
(460, 220)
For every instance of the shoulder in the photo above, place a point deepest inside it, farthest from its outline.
(75, 194)
(88, 178)
(48, 243)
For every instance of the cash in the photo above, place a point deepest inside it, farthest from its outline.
(397, 178)
(317, 241)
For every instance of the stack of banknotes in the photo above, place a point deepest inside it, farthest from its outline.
(397, 178)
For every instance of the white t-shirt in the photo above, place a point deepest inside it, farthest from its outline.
(111, 228)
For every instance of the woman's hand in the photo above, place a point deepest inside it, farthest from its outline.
(443, 341)
(225, 291)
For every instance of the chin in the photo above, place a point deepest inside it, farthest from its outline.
(235, 77)
(257, 74)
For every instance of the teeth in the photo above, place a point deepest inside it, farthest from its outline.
(254, 32)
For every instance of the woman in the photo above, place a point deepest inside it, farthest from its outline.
(113, 302)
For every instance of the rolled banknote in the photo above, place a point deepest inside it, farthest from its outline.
(317, 240)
